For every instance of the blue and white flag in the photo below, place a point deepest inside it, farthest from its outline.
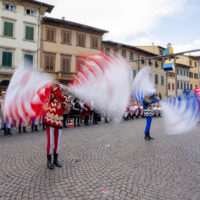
(142, 84)
(180, 114)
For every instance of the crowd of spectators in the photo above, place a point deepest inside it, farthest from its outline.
(79, 113)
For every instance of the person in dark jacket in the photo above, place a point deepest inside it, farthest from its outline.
(148, 113)
(76, 111)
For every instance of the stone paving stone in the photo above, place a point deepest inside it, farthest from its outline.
(105, 157)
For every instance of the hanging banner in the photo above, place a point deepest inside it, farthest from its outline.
(169, 63)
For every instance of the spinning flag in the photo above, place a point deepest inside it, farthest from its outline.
(142, 84)
(180, 114)
(28, 91)
(104, 80)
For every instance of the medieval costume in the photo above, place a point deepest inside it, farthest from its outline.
(54, 122)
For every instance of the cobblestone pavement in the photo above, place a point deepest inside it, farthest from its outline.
(103, 162)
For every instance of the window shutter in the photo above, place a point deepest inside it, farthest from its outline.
(64, 38)
(8, 29)
(4, 58)
(7, 59)
(52, 35)
(48, 34)
(27, 33)
(47, 62)
(31, 33)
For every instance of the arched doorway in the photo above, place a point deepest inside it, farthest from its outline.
(4, 84)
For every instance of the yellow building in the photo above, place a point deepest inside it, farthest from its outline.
(132, 53)
(62, 42)
(194, 71)
(170, 76)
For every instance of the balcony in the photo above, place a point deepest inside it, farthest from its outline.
(64, 75)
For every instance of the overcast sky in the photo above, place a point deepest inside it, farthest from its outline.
(137, 22)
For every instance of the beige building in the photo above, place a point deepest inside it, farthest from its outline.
(170, 76)
(19, 35)
(182, 74)
(194, 72)
(62, 42)
(132, 53)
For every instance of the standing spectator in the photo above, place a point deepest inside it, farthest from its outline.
(6, 125)
(86, 113)
(76, 111)
(65, 114)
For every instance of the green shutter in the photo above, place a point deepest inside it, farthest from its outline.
(8, 29)
(7, 59)
(29, 33)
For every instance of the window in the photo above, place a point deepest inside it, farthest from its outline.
(7, 59)
(172, 86)
(66, 37)
(191, 87)
(169, 86)
(184, 86)
(80, 40)
(133, 74)
(184, 72)
(29, 33)
(190, 62)
(142, 60)
(50, 34)
(161, 52)
(9, 7)
(65, 63)
(188, 86)
(191, 74)
(149, 62)
(195, 75)
(162, 80)
(107, 50)
(115, 52)
(195, 64)
(177, 71)
(49, 61)
(124, 53)
(30, 12)
(177, 84)
(156, 79)
(181, 72)
(28, 60)
(156, 64)
(94, 42)
(8, 29)
(131, 56)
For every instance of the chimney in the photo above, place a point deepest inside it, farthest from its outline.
(63, 18)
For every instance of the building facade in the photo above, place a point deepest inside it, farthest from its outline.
(19, 35)
(170, 76)
(194, 72)
(131, 54)
(61, 44)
